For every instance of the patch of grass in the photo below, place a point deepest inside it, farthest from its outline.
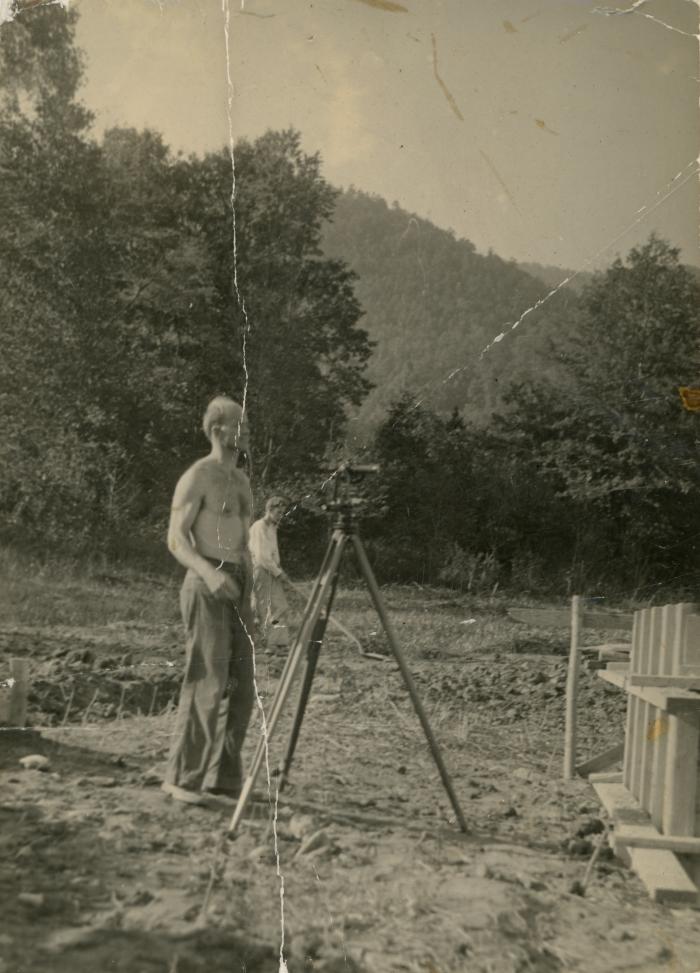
(61, 592)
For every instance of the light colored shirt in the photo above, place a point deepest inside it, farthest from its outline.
(262, 541)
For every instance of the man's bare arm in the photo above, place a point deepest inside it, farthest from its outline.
(187, 501)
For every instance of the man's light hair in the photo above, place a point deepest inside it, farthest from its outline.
(218, 410)
(275, 501)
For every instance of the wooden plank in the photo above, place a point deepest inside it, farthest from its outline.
(681, 774)
(632, 703)
(610, 655)
(601, 761)
(618, 677)
(681, 766)
(614, 797)
(671, 625)
(653, 726)
(561, 618)
(659, 869)
(618, 667)
(642, 836)
(637, 663)
(664, 877)
(612, 650)
(572, 690)
(606, 777)
(670, 700)
(689, 661)
(671, 682)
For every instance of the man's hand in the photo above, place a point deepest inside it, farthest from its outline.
(222, 586)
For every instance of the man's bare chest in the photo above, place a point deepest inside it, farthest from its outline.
(227, 495)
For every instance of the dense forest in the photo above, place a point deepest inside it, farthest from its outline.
(585, 480)
(127, 303)
(560, 459)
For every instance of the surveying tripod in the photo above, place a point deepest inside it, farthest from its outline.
(310, 639)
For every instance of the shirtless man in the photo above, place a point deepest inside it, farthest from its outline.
(208, 535)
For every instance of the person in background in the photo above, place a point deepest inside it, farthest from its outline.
(269, 599)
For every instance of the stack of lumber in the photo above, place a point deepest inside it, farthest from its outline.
(655, 801)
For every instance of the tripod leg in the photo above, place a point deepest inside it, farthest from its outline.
(307, 608)
(313, 610)
(313, 652)
(407, 678)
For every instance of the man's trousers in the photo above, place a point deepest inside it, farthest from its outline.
(218, 691)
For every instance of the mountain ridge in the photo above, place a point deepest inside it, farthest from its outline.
(433, 304)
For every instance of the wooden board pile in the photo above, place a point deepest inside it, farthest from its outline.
(655, 801)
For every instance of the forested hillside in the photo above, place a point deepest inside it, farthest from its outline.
(433, 303)
(553, 276)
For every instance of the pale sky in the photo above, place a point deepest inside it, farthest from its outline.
(537, 128)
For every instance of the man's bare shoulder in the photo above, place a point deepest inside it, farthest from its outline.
(194, 478)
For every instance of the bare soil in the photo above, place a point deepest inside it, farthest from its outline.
(359, 866)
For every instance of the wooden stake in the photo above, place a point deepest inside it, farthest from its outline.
(19, 670)
(572, 691)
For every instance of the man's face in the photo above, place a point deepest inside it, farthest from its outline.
(235, 433)
(276, 512)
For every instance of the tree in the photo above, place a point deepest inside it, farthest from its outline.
(613, 434)
(125, 307)
(293, 311)
(49, 239)
(424, 490)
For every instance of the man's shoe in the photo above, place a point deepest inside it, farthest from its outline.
(220, 797)
(229, 794)
(183, 795)
(232, 792)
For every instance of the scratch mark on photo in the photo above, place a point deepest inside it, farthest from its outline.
(445, 90)
(386, 5)
(501, 181)
(253, 13)
(635, 10)
(246, 327)
(573, 33)
(540, 123)
(680, 179)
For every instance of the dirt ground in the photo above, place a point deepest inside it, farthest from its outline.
(363, 869)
